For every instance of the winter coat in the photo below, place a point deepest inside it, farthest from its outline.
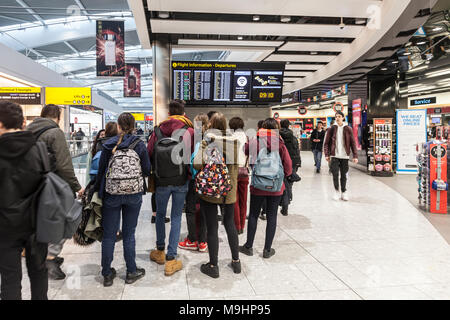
(56, 140)
(128, 139)
(329, 147)
(252, 148)
(21, 173)
(291, 143)
(317, 135)
(228, 146)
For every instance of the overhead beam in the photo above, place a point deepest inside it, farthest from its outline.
(33, 13)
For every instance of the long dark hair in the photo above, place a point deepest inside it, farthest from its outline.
(96, 140)
(126, 123)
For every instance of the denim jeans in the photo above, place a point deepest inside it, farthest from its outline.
(163, 194)
(317, 158)
(113, 205)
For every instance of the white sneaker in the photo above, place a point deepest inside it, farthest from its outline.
(345, 196)
(336, 195)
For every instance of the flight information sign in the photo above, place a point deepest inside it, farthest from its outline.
(212, 82)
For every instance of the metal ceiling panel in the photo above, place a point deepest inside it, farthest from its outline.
(300, 58)
(314, 46)
(230, 43)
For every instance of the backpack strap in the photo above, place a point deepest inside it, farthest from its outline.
(159, 134)
(37, 134)
(43, 153)
(134, 144)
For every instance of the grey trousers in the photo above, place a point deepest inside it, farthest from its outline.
(55, 249)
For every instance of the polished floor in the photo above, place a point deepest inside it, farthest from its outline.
(376, 246)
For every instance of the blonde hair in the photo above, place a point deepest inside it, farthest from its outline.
(203, 118)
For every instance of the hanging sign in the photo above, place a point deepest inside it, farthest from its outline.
(132, 80)
(302, 110)
(338, 106)
(110, 51)
(276, 115)
(21, 95)
(68, 96)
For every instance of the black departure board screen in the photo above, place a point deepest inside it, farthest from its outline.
(242, 81)
(202, 85)
(182, 85)
(227, 83)
(267, 85)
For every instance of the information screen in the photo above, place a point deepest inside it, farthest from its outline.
(222, 84)
(182, 85)
(267, 86)
(242, 85)
(202, 85)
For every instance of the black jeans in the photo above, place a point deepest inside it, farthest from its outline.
(194, 233)
(210, 212)
(11, 267)
(339, 165)
(256, 203)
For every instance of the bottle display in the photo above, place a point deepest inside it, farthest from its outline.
(110, 50)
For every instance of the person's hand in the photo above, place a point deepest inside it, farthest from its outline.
(327, 158)
(355, 160)
(80, 192)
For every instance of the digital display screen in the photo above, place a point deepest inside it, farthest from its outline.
(202, 85)
(267, 86)
(182, 85)
(222, 85)
(242, 85)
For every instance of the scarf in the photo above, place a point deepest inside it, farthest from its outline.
(183, 119)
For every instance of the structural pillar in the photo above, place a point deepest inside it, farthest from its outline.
(162, 56)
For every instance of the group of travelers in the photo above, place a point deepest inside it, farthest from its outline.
(202, 167)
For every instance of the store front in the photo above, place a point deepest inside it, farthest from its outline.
(88, 118)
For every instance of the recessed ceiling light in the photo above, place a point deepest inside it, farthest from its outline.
(163, 14)
(407, 54)
(255, 18)
(394, 62)
(313, 52)
(360, 21)
(285, 19)
(437, 28)
(240, 37)
(421, 42)
(384, 69)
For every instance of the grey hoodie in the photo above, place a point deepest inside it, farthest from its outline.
(56, 140)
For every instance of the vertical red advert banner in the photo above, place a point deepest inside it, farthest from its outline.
(356, 115)
(132, 80)
(438, 199)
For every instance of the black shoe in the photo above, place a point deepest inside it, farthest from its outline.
(54, 270)
(241, 231)
(166, 219)
(284, 211)
(209, 270)
(153, 219)
(236, 266)
(135, 276)
(318, 170)
(59, 260)
(246, 251)
(262, 216)
(119, 236)
(109, 279)
(267, 254)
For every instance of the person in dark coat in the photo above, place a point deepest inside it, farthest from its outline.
(291, 144)
(317, 138)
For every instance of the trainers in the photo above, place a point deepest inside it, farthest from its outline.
(158, 256)
(188, 245)
(172, 266)
(236, 266)
(109, 280)
(210, 270)
(54, 270)
(203, 247)
(262, 216)
(345, 196)
(135, 276)
(336, 195)
(246, 251)
(268, 253)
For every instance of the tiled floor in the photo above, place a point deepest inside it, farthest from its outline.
(376, 246)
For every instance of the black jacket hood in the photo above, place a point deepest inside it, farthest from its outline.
(16, 144)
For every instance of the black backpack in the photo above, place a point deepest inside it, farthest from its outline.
(50, 152)
(168, 173)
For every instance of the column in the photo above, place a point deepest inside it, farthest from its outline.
(162, 56)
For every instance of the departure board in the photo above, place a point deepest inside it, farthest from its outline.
(267, 86)
(241, 85)
(182, 85)
(222, 85)
(202, 85)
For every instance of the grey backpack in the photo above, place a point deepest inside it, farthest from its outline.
(124, 174)
(58, 212)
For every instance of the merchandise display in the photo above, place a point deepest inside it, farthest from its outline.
(380, 152)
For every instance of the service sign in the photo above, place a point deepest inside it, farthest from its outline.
(21, 95)
(68, 96)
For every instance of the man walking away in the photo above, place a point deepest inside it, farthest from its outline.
(337, 147)
(46, 129)
(79, 136)
(21, 171)
(317, 138)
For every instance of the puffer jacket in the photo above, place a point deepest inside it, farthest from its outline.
(291, 144)
(228, 146)
(56, 140)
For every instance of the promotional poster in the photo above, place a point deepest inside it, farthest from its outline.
(110, 48)
(356, 111)
(132, 80)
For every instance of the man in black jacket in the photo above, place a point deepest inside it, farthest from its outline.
(21, 175)
(317, 138)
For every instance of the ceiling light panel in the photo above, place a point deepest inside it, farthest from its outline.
(231, 43)
(314, 46)
(300, 58)
(302, 66)
(251, 29)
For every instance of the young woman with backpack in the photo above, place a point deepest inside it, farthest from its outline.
(216, 183)
(270, 162)
(120, 182)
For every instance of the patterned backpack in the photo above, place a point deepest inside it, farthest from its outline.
(124, 174)
(213, 179)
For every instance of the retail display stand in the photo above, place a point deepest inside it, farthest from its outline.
(382, 148)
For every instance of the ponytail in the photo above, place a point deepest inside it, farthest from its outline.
(118, 142)
(126, 123)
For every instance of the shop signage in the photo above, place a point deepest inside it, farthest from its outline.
(302, 110)
(149, 118)
(411, 130)
(338, 106)
(139, 116)
(68, 96)
(438, 110)
(423, 101)
(21, 95)
(276, 115)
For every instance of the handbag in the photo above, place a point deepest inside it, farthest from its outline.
(243, 171)
(151, 183)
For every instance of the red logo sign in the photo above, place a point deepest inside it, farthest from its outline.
(276, 115)
(302, 110)
(338, 106)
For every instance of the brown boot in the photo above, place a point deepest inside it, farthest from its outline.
(158, 256)
(172, 266)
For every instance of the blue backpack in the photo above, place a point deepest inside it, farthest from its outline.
(268, 171)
